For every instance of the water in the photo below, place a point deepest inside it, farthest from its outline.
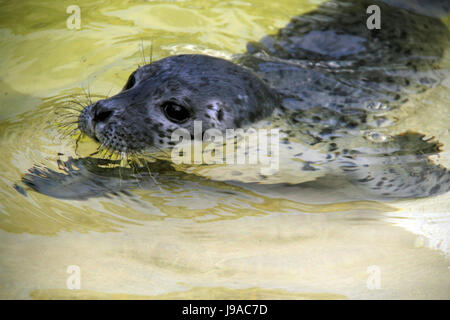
(190, 238)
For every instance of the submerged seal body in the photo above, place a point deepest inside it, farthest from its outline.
(326, 77)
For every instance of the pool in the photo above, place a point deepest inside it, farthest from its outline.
(190, 238)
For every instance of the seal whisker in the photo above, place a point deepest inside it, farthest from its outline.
(109, 92)
(107, 155)
(87, 94)
(102, 151)
(143, 52)
(72, 109)
(78, 102)
(75, 103)
(69, 107)
(77, 141)
(67, 134)
(150, 156)
(164, 152)
(69, 117)
(109, 151)
(151, 176)
(64, 125)
(65, 128)
(151, 51)
(134, 164)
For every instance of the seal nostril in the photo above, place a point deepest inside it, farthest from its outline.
(102, 115)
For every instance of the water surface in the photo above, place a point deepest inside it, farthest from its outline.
(190, 239)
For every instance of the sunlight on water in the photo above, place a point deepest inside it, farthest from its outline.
(189, 237)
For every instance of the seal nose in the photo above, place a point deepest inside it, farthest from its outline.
(101, 112)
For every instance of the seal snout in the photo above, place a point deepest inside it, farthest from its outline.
(94, 117)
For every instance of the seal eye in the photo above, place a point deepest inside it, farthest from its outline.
(131, 82)
(175, 112)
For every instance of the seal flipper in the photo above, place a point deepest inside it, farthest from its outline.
(399, 168)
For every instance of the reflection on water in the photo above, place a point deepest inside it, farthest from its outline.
(189, 237)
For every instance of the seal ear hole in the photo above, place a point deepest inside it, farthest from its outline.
(175, 113)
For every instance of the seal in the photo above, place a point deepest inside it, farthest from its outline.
(326, 80)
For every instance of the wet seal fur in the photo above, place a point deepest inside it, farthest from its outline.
(325, 76)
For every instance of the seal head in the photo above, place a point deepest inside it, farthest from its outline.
(172, 93)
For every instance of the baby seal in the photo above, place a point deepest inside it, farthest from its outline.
(326, 80)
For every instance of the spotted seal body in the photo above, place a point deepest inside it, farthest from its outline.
(325, 78)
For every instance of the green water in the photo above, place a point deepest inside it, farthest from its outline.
(191, 239)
